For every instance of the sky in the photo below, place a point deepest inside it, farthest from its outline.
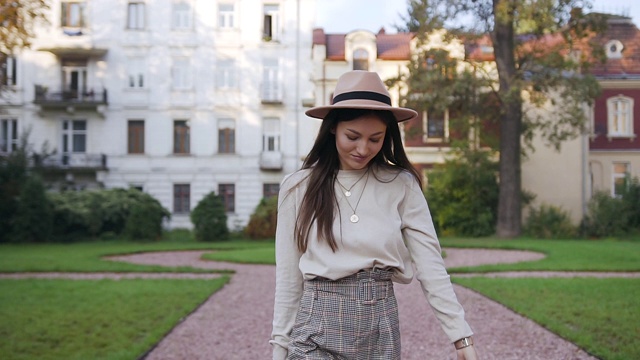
(343, 16)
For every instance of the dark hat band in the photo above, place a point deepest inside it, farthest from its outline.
(362, 95)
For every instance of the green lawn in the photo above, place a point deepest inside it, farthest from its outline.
(39, 316)
(101, 319)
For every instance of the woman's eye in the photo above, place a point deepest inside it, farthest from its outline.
(375, 141)
(352, 138)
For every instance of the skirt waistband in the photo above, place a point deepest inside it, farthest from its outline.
(368, 285)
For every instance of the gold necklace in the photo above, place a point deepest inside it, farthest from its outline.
(354, 217)
(347, 192)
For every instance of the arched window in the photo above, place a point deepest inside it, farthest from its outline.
(360, 59)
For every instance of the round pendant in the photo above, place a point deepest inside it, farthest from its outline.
(347, 193)
(354, 218)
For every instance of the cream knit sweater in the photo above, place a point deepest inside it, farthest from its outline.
(394, 230)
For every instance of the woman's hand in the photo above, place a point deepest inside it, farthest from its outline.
(467, 353)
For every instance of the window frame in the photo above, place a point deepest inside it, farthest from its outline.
(8, 70)
(227, 77)
(136, 15)
(226, 136)
(271, 22)
(360, 58)
(425, 128)
(271, 135)
(136, 73)
(270, 189)
(181, 198)
(227, 192)
(70, 134)
(181, 137)
(181, 76)
(9, 135)
(226, 18)
(181, 18)
(616, 120)
(617, 176)
(135, 136)
(66, 9)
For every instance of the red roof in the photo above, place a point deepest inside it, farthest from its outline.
(390, 46)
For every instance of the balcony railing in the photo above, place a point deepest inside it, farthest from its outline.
(64, 98)
(271, 160)
(79, 161)
(271, 93)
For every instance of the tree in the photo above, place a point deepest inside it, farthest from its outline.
(18, 18)
(534, 46)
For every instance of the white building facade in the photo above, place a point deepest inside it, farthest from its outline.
(178, 98)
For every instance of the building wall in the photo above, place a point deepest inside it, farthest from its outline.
(110, 48)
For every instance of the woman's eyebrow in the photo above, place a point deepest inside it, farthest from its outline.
(357, 133)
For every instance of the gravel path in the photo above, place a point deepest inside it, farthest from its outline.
(235, 322)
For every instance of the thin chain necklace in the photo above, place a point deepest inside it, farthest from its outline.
(354, 217)
(347, 192)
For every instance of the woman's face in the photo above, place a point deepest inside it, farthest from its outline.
(359, 140)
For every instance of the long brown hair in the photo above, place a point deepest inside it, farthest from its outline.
(319, 200)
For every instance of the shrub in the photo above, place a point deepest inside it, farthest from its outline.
(13, 173)
(631, 204)
(463, 196)
(549, 222)
(262, 224)
(209, 219)
(604, 216)
(34, 216)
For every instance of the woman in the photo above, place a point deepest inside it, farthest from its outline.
(350, 222)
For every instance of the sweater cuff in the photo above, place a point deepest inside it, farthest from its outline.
(279, 353)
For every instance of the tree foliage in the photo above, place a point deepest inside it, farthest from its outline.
(540, 54)
(18, 18)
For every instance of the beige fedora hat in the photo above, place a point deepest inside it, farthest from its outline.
(359, 89)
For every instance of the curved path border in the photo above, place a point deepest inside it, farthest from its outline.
(235, 322)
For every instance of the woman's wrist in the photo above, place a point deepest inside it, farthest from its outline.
(463, 343)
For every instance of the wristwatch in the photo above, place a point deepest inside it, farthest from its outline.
(463, 343)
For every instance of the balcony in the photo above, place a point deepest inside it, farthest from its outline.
(271, 160)
(271, 93)
(77, 161)
(70, 99)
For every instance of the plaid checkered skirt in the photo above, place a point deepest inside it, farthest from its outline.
(353, 318)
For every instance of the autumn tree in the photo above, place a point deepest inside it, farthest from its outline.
(535, 57)
(17, 19)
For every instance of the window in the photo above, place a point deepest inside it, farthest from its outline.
(135, 136)
(228, 194)
(181, 15)
(361, 59)
(181, 137)
(74, 136)
(620, 174)
(72, 14)
(181, 198)
(181, 74)
(225, 16)
(226, 74)
(8, 135)
(613, 49)
(226, 136)
(8, 70)
(435, 126)
(271, 24)
(271, 134)
(620, 116)
(270, 190)
(271, 84)
(136, 69)
(135, 15)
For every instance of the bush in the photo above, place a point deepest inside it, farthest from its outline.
(549, 222)
(463, 196)
(631, 204)
(604, 217)
(209, 219)
(262, 224)
(80, 214)
(13, 173)
(34, 216)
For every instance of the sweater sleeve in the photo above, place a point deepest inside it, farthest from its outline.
(289, 281)
(421, 240)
